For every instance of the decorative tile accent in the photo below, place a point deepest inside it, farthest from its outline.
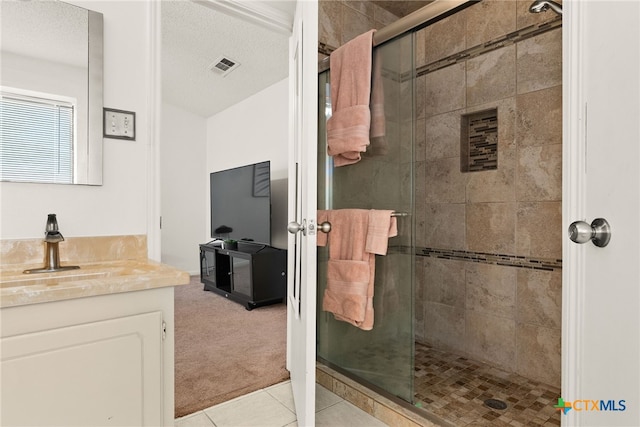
(492, 258)
(500, 42)
(472, 52)
(479, 141)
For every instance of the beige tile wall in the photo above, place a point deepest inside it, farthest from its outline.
(342, 20)
(506, 316)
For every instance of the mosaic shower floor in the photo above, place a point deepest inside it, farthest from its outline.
(455, 389)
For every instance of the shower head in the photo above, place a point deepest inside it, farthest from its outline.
(544, 5)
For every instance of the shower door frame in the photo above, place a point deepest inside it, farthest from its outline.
(339, 343)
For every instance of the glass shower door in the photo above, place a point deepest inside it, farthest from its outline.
(383, 179)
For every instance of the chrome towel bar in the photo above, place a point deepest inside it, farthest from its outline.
(325, 227)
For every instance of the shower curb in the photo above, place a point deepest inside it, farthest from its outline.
(373, 403)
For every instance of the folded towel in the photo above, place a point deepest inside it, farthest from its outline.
(381, 227)
(347, 290)
(348, 234)
(378, 129)
(348, 126)
(356, 236)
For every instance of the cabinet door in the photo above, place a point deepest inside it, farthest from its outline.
(101, 373)
(242, 276)
(207, 265)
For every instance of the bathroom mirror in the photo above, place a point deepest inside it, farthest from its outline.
(51, 67)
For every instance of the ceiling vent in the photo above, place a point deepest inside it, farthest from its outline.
(224, 65)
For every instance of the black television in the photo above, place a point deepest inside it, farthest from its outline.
(241, 203)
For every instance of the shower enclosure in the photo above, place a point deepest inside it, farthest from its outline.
(468, 299)
(383, 179)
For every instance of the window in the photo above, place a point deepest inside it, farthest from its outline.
(36, 138)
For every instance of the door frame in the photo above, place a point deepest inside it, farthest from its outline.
(573, 195)
(601, 360)
(302, 209)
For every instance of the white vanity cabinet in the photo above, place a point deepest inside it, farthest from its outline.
(101, 361)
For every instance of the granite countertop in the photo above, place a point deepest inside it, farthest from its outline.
(91, 279)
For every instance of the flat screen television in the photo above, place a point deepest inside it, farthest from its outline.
(241, 203)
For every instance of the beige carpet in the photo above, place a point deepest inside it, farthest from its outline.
(222, 350)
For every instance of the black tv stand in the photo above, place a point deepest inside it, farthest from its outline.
(253, 275)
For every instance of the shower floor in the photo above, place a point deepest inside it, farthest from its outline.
(455, 389)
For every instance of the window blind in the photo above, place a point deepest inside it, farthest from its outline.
(36, 139)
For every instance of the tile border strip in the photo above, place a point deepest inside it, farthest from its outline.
(495, 44)
(519, 261)
(472, 52)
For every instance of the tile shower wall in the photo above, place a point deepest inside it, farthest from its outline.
(471, 223)
(342, 20)
(489, 282)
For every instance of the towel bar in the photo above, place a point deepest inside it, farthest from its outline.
(325, 227)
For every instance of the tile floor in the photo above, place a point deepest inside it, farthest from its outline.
(449, 386)
(455, 388)
(273, 407)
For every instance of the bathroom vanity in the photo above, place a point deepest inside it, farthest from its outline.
(92, 346)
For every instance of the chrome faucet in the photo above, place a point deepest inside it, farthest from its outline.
(52, 237)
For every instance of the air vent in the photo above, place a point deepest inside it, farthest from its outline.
(224, 65)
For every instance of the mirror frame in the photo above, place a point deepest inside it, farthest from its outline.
(94, 162)
(88, 159)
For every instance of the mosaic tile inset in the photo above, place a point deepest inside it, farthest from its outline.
(545, 264)
(479, 141)
(456, 388)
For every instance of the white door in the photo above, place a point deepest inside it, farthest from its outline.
(303, 140)
(601, 297)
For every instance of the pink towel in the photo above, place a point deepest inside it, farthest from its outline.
(355, 237)
(348, 126)
(377, 134)
(382, 226)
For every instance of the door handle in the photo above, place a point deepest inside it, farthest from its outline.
(325, 227)
(599, 232)
(293, 227)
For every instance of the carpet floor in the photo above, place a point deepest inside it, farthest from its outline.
(223, 351)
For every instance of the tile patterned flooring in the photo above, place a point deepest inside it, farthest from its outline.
(449, 386)
(273, 407)
(454, 388)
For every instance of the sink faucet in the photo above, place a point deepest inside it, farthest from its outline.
(52, 237)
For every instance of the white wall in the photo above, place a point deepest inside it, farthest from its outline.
(60, 80)
(251, 131)
(119, 206)
(184, 182)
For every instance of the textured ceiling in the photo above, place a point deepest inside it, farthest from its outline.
(196, 33)
(53, 31)
(194, 36)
